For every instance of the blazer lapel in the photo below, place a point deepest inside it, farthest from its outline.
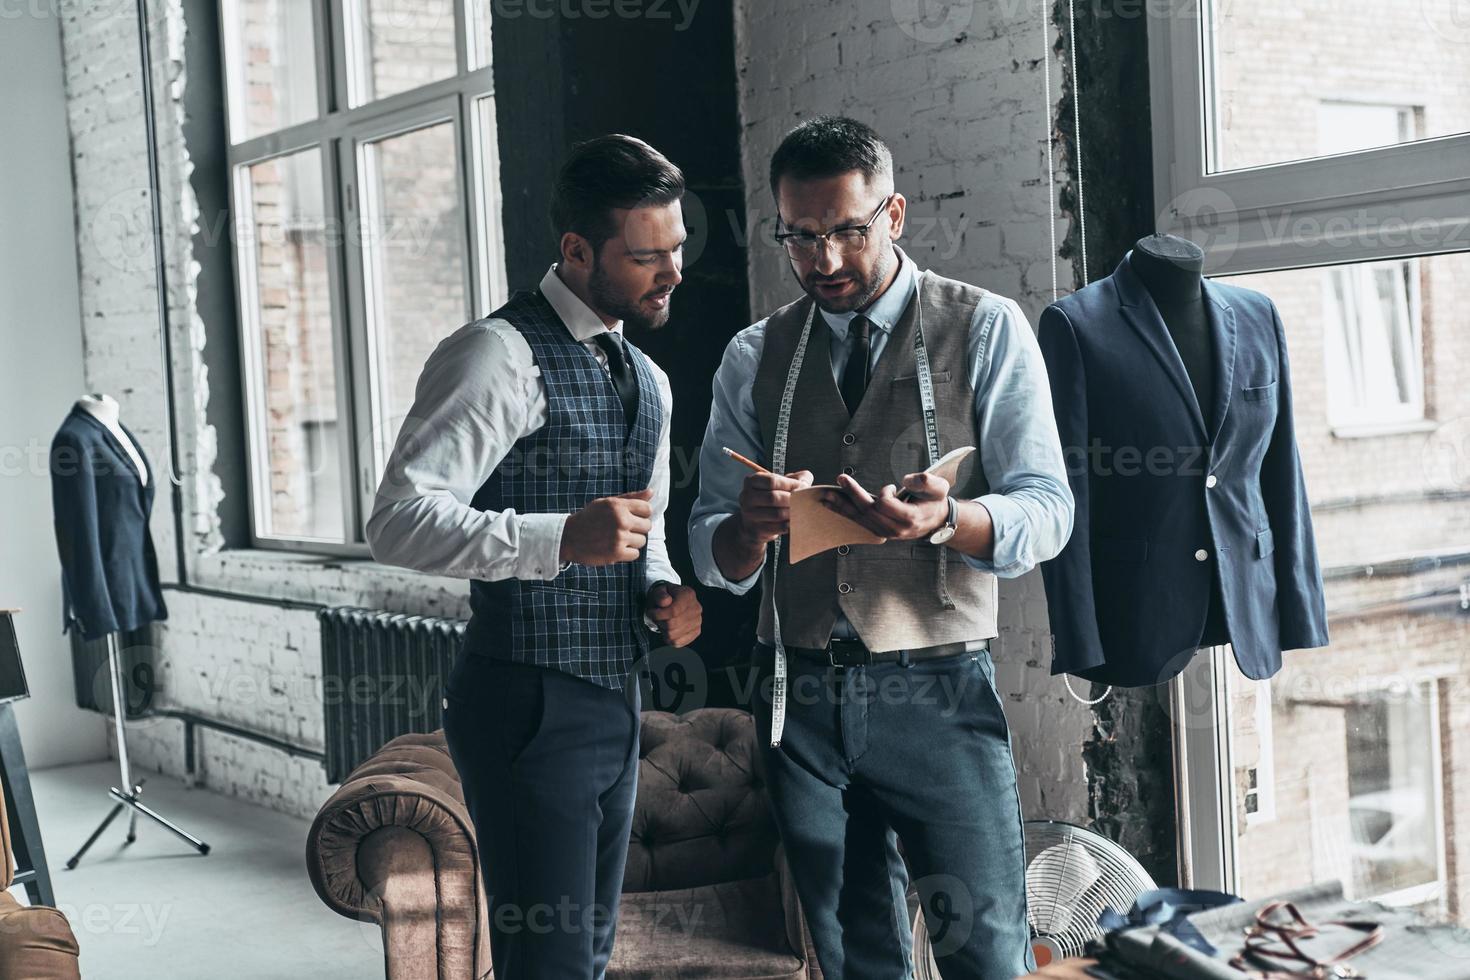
(1138, 308)
(1222, 325)
(117, 447)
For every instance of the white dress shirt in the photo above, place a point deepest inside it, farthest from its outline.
(479, 393)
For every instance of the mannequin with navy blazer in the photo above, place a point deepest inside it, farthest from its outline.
(102, 494)
(102, 490)
(1172, 395)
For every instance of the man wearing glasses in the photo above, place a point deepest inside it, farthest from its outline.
(878, 709)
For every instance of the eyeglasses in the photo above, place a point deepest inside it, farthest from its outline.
(848, 240)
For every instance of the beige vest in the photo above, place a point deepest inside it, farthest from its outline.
(889, 592)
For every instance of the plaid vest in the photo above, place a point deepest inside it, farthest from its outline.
(587, 621)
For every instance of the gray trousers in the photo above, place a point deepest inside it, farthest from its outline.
(890, 756)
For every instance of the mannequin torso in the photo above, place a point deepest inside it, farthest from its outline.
(1170, 269)
(104, 408)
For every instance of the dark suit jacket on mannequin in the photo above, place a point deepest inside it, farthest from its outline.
(109, 572)
(1165, 492)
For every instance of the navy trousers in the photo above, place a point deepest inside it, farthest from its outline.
(549, 767)
(887, 765)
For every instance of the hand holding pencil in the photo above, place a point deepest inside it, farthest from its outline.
(765, 500)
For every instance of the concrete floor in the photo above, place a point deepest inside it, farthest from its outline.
(156, 909)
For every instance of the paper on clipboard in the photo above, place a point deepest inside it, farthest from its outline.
(815, 529)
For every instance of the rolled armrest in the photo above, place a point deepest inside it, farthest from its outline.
(394, 845)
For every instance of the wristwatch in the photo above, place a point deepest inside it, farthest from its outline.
(951, 524)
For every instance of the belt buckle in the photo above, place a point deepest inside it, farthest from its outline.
(848, 653)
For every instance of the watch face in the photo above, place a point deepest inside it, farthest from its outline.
(942, 535)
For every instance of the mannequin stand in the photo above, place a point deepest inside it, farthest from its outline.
(128, 799)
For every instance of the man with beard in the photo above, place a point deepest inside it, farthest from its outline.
(876, 699)
(535, 462)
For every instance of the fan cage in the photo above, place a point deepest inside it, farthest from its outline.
(1072, 874)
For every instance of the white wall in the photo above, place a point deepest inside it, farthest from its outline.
(41, 374)
(957, 91)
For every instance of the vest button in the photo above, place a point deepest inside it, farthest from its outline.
(843, 549)
(1201, 555)
(848, 470)
(844, 588)
(848, 438)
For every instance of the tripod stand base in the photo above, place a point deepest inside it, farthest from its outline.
(137, 805)
(129, 799)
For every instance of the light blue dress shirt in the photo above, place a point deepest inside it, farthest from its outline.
(1029, 501)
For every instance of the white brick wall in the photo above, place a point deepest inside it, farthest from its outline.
(959, 98)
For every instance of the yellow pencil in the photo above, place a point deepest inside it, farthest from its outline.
(748, 462)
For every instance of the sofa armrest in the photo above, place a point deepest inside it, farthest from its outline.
(395, 845)
(797, 933)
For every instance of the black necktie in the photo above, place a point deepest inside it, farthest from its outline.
(621, 371)
(855, 376)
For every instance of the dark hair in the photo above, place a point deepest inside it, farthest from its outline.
(828, 146)
(613, 171)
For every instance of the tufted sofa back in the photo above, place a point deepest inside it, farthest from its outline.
(701, 817)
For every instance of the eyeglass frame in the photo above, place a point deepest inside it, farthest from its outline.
(825, 238)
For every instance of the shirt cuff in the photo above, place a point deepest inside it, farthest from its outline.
(702, 550)
(538, 557)
(1008, 518)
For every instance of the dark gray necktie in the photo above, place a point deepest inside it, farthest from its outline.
(624, 383)
(855, 376)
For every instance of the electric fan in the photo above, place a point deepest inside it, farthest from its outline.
(1072, 874)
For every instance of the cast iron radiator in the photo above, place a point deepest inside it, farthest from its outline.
(382, 676)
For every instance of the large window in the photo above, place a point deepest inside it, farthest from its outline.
(1317, 153)
(367, 221)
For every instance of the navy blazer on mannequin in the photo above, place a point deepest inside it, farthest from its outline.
(1168, 496)
(109, 572)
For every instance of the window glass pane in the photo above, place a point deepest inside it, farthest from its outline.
(271, 57)
(1293, 81)
(294, 389)
(1350, 763)
(1373, 342)
(486, 174)
(399, 45)
(414, 262)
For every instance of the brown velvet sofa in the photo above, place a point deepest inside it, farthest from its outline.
(36, 942)
(706, 893)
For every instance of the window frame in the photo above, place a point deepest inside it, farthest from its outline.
(1398, 201)
(1420, 187)
(337, 132)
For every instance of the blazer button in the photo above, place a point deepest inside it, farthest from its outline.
(1210, 480)
(844, 588)
(848, 438)
(1201, 555)
(848, 470)
(843, 549)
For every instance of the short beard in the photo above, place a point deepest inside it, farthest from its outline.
(608, 300)
(866, 292)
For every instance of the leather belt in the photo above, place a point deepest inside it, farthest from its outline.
(852, 653)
